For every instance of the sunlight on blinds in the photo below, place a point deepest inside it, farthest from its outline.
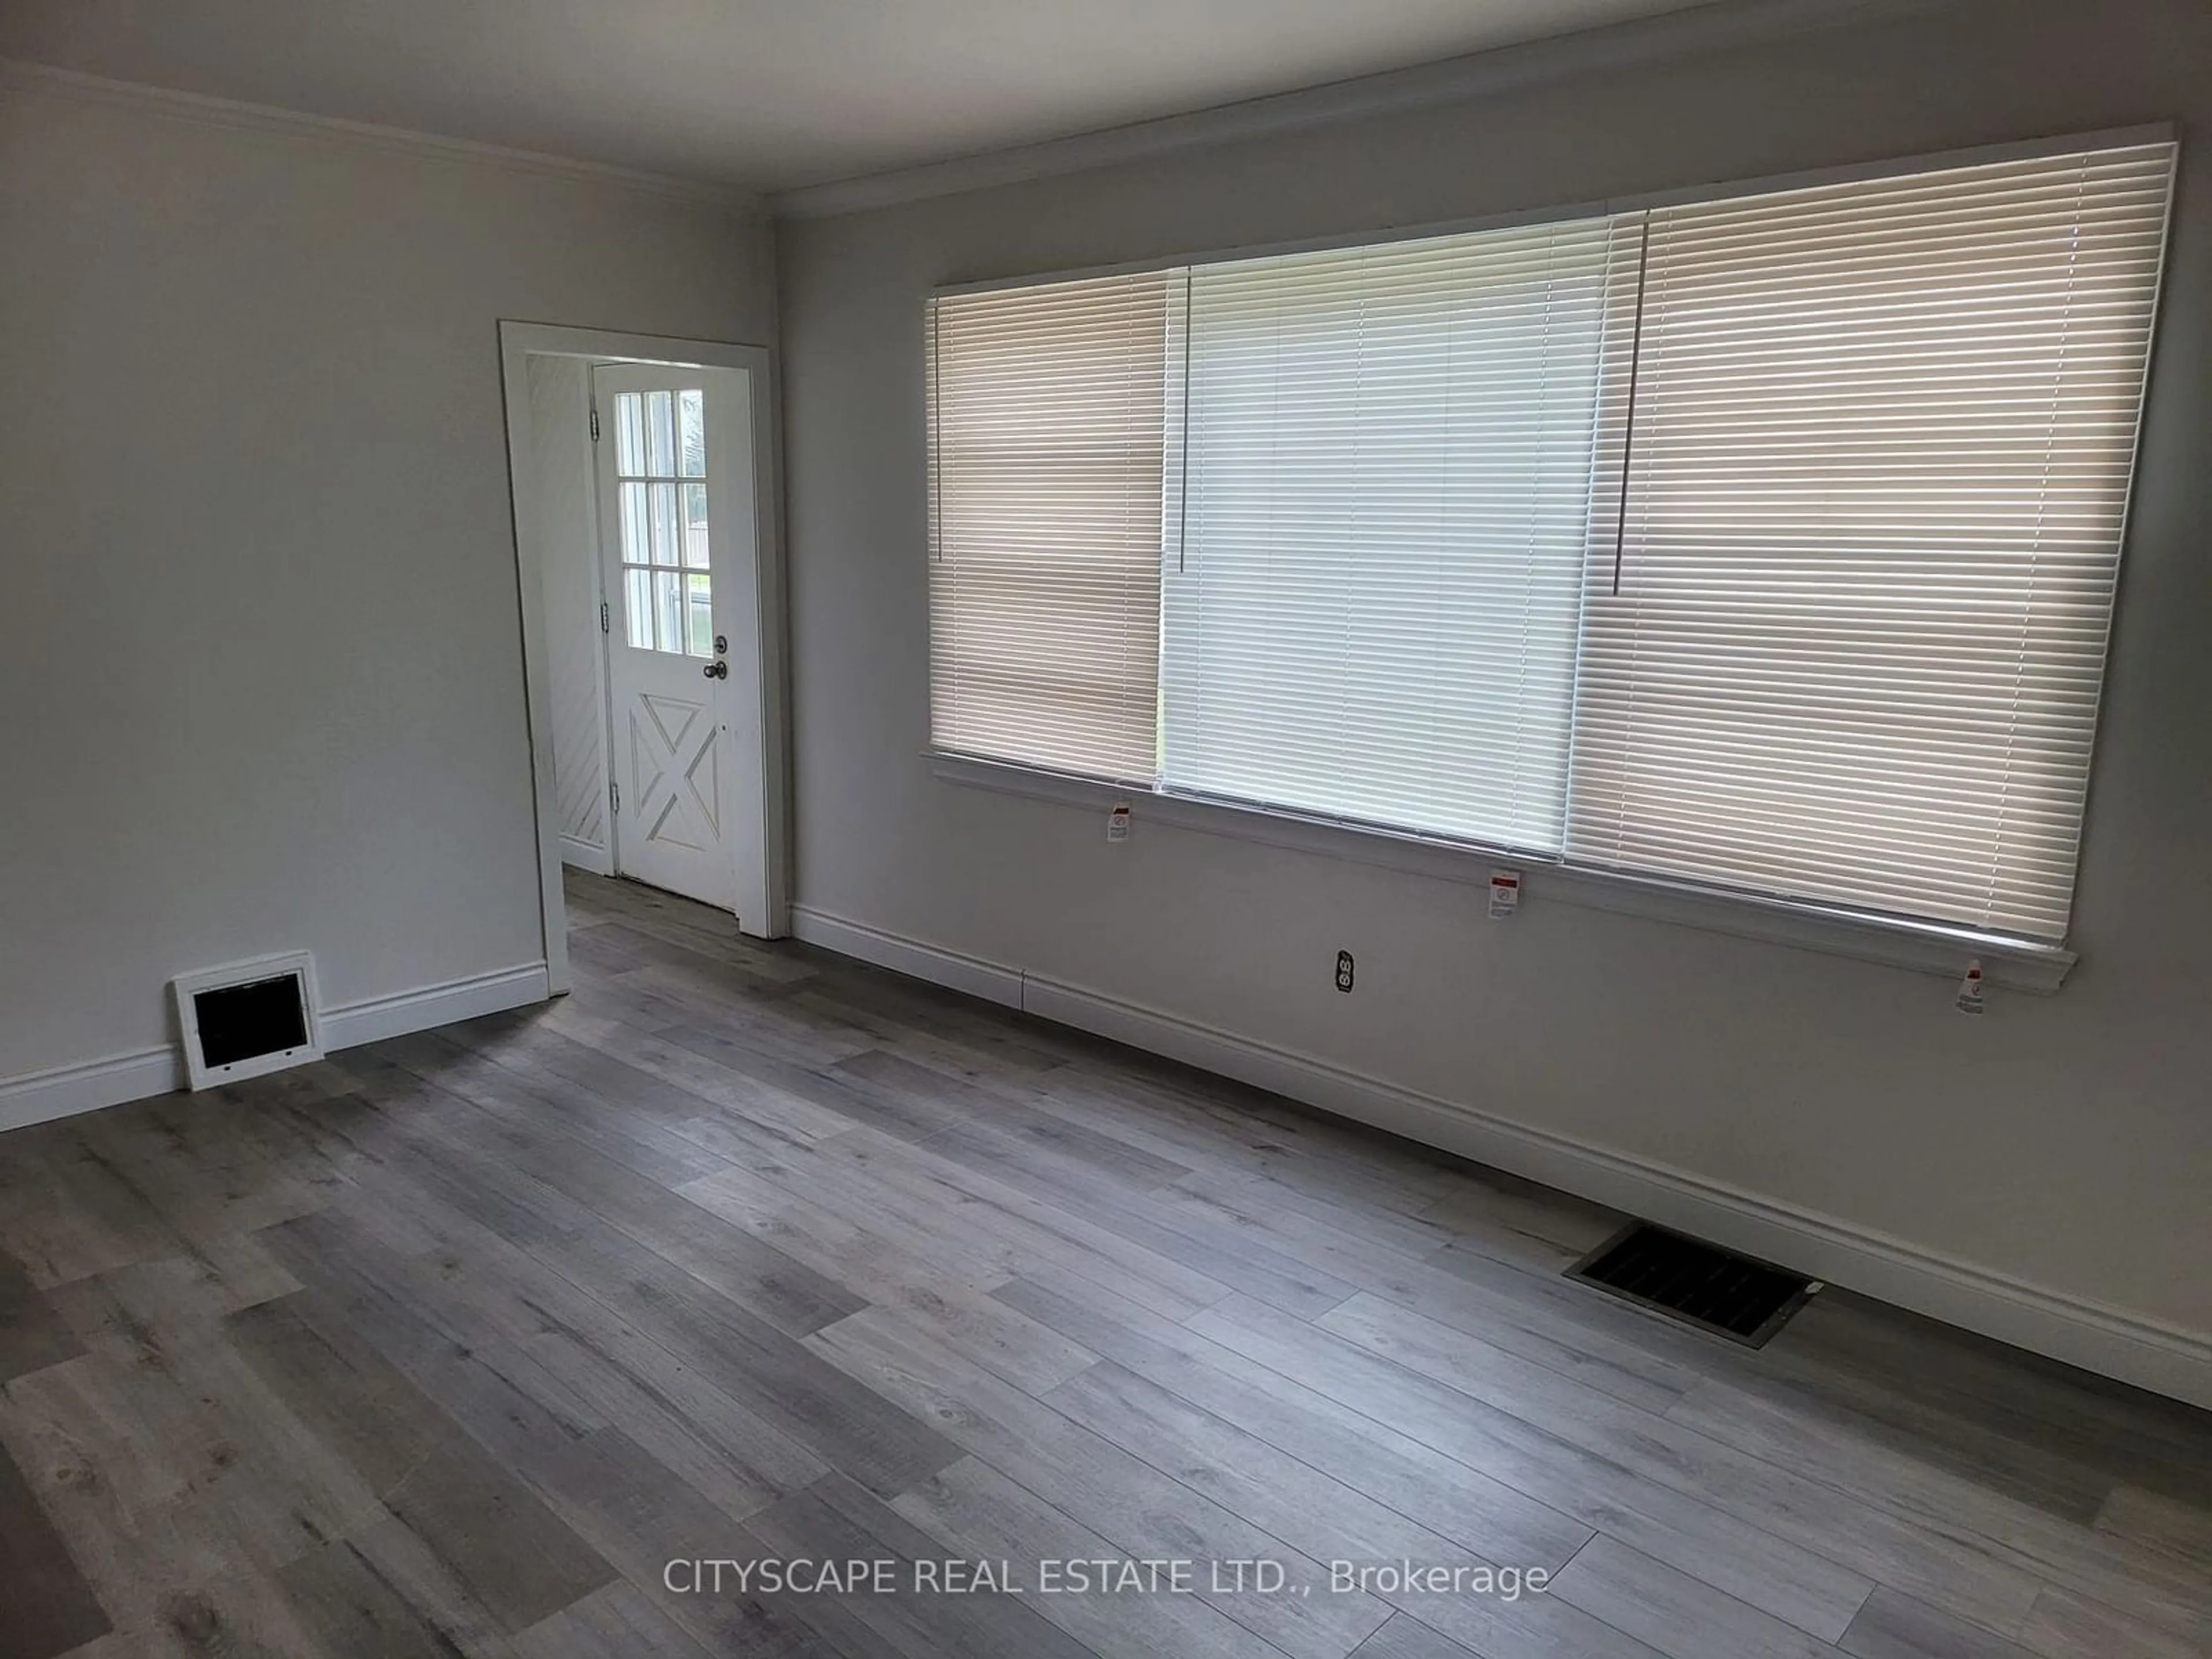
(1766, 544)
(1847, 644)
(1048, 413)
(1387, 472)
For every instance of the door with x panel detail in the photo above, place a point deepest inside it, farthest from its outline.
(674, 485)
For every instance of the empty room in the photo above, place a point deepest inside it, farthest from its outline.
(1234, 830)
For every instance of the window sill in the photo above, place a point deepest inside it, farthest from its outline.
(1921, 947)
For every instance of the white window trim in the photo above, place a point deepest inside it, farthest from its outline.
(1894, 941)
(1891, 941)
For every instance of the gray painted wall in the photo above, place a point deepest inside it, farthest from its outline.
(2066, 1142)
(262, 667)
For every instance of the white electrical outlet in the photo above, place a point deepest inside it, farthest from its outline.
(1504, 893)
(1969, 990)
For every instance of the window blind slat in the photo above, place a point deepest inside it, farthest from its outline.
(1047, 421)
(1877, 468)
(1387, 471)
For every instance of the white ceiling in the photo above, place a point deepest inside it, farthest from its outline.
(770, 95)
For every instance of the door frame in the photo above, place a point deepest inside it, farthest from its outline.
(763, 882)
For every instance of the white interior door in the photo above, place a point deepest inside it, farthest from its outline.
(676, 530)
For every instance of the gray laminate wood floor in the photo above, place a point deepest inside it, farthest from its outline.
(452, 1344)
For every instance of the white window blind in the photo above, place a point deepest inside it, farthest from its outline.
(1372, 609)
(1047, 419)
(1844, 627)
(1766, 545)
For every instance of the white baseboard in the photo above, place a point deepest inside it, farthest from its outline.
(973, 974)
(65, 1090)
(585, 855)
(433, 1005)
(2108, 1341)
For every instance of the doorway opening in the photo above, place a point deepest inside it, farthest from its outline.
(646, 543)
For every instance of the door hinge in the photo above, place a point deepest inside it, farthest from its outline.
(614, 796)
(603, 628)
(595, 424)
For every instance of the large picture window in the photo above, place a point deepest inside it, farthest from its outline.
(1766, 544)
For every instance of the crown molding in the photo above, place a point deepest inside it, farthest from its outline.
(1714, 26)
(19, 78)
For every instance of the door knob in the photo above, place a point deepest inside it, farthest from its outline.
(716, 670)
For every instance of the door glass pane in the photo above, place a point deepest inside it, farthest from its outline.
(694, 527)
(635, 547)
(660, 434)
(701, 597)
(668, 611)
(629, 433)
(664, 524)
(661, 513)
(691, 431)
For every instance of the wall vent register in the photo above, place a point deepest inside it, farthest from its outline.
(1698, 1284)
(248, 1019)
